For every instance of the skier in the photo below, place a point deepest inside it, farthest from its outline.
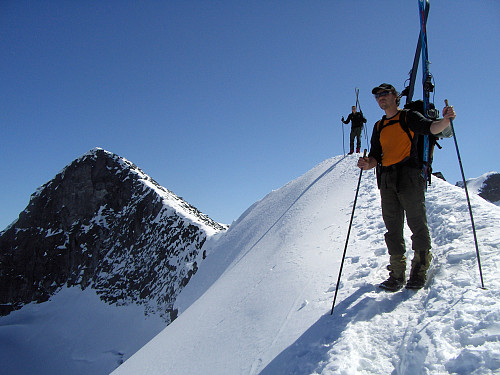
(402, 186)
(357, 121)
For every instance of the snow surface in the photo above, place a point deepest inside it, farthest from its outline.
(73, 333)
(260, 303)
(476, 185)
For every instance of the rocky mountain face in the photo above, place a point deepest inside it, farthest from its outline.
(102, 223)
(491, 188)
(486, 186)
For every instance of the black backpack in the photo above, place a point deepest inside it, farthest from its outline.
(417, 141)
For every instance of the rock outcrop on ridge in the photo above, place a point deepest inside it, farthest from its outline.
(102, 223)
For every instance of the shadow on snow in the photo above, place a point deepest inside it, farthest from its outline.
(310, 352)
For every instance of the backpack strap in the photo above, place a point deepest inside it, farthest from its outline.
(413, 159)
(401, 120)
(404, 125)
(416, 152)
(381, 121)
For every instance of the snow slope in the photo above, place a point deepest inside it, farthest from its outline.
(261, 302)
(73, 333)
(475, 185)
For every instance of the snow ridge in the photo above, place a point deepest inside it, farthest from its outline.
(263, 295)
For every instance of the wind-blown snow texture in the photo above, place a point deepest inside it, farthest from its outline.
(261, 302)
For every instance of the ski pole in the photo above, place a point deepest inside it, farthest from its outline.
(343, 142)
(347, 239)
(468, 199)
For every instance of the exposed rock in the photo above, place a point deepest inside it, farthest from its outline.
(491, 188)
(486, 186)
(103, 223)
(439, 175)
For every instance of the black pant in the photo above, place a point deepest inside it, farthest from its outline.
(402, 190)
(355, 133)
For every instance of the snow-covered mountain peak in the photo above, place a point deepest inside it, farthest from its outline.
(102, 222)
(486, 186)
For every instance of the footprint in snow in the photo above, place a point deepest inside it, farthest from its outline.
(304, 304)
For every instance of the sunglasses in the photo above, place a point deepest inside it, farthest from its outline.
(382, 93)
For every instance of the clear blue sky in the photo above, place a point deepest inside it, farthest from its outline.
(223, 101)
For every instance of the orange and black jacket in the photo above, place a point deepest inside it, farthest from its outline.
(391, 144)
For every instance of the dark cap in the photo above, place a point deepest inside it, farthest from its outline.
(383, 87)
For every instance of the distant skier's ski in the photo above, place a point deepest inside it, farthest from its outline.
(357, 99)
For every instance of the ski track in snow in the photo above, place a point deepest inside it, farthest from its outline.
(263, 296)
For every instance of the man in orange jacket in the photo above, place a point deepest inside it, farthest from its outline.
(402, 186)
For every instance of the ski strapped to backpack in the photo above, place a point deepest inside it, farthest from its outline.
(423, 144)
(428, 87)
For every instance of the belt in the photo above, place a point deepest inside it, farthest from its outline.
(396, 167)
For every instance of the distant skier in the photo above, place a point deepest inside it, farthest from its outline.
(357, 121)
(402, 186)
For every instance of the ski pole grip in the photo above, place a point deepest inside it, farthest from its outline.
(451, 121)
(364, 153)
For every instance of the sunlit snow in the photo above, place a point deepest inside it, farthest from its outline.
(260, 304)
